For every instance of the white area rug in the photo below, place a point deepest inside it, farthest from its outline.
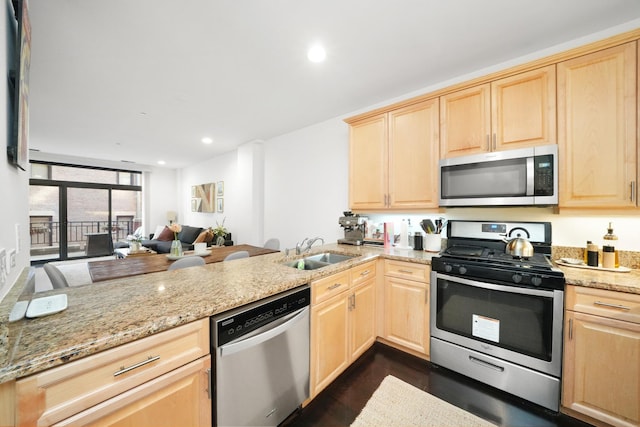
(396, 403)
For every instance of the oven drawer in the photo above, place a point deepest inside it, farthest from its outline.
(407, 270)
(601, 302)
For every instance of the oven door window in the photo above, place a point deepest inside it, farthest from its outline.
(517, 322)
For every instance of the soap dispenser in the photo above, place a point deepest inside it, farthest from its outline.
(609, 253)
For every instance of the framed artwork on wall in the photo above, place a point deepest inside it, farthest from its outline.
(220, 204)
(18, 88)
(220, 186)
(202, 197)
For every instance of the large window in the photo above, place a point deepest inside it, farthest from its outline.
(78, 211)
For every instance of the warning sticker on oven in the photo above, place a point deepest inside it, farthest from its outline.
(486, 328)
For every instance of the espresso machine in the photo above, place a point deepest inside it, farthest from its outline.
(354, 228)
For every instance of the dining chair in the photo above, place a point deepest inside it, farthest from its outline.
(237, 255)
(190, 261)
(272, 243)
(55, 275)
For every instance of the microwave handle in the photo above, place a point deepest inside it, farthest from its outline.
(530, 176)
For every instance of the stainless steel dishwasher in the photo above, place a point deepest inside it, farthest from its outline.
(261, 360)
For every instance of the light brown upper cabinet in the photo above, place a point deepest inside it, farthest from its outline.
(368, 163)
(597, 131)
(394, 157)
(514, 112)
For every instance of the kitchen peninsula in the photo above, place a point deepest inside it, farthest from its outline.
(109, 314)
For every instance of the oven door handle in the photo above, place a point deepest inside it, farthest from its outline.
(495, 287)
(486, 364)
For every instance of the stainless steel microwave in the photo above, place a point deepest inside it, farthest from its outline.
(527, 176)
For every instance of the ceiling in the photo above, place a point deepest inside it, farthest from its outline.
(146, 80)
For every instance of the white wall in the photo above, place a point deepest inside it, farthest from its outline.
(307, 183)
(160, 189)
(14, 187)
(222, 168)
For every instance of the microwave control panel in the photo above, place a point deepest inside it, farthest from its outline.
(543, 178)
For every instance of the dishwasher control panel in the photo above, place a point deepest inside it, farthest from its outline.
(247, 319)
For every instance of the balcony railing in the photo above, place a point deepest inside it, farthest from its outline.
(46, 234)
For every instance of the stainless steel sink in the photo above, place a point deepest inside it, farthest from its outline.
(313, 262)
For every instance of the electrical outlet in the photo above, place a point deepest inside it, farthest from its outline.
(18, 238)
(3, 266)
(11, 261)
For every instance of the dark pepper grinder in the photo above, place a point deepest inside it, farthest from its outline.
(417, 242)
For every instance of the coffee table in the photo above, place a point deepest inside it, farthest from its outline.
(126, 252)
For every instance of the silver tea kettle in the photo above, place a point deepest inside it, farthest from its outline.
(518, 246)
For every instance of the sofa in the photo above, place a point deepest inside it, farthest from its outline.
(160, 240)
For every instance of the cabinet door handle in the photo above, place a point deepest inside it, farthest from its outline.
(618, 306)
(570, 329)
(124, 370)
(494, 142)
(353, 301)
(334, 286)
(210, 382)
(633, 191)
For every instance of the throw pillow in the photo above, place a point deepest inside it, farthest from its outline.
(189, 234)
(158, 230)
(203, 237)
(166, 235)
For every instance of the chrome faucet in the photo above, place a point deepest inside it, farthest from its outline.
(301, 248)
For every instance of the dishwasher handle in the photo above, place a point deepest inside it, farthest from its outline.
(234, 347)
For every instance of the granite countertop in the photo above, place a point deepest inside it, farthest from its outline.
(110, 313)
(107, 314)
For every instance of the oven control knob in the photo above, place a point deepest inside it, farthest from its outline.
(536, 281)
(448, 268)
(462, 270)
(516, 278)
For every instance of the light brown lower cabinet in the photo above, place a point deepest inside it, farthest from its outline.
(406, 306)
(159, 380)
(179, 397)
(342, 322)
(601, 376)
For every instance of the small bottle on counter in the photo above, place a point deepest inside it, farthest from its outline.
(608, 257)
(592, 254)
(609, 242)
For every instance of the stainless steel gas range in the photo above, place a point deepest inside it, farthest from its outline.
(495, 317)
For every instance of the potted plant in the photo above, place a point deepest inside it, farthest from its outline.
(135, 241)
(219, 233)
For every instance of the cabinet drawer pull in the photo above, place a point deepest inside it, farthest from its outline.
(335, 285)
(365, 273)
(406, 271)
(618, 306)
(124, 370)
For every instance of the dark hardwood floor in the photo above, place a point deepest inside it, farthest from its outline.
(342, 401)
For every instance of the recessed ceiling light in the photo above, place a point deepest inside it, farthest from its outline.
(316, 53)
(161, 162)
(207, 140)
